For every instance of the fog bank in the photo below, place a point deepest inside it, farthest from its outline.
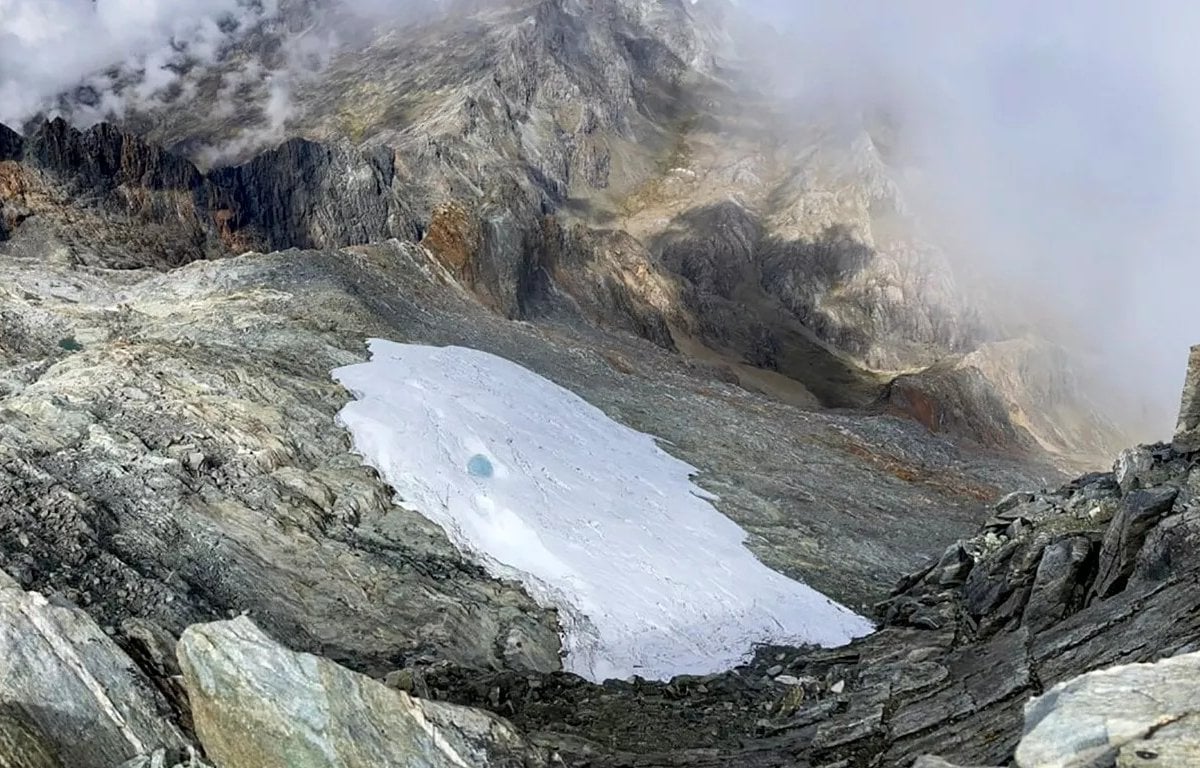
(1053, 149)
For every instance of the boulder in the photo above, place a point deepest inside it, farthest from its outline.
(1060, 584)
(1168, 548)
(1140, 511)
(69, 697)
(1079, 723)
(1130, 466)
(1187, 432)
(258, 705)
(953, 567)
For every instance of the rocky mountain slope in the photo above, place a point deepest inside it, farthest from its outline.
(279, 521)
(198, 568)
(612, 163)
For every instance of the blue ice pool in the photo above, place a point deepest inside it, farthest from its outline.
(479, 466)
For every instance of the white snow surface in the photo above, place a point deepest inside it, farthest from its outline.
(592, 517)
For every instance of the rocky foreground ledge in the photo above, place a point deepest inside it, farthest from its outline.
(980, 647)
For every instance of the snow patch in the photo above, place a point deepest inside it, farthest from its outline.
(592, 517)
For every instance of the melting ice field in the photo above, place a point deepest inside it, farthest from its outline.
(591, 516)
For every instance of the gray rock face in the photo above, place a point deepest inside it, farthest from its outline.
(1134, 715)
(258, 705)
(12, 145)
(103, 197)
(104, 158)
(309, 195)
(1187, 433)
(69, 697)
(1140, 511)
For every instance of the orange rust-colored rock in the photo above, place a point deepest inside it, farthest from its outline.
(235, 240)
(453, 238)
(916, 405)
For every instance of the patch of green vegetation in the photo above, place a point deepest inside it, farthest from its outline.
(679, 155)
(1066, 523)
(70, 344)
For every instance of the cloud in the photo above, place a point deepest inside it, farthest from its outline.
(1054, 149)
(110, 54)
(95, 60)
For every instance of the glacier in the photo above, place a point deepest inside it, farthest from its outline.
(592, 517)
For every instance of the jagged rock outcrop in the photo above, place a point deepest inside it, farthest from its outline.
(1187, 433)
(12, 145)
(308, 195)
(105, 198)
(104, 158)
(259, 705)
(117, 201)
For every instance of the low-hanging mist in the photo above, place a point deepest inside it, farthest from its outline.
(1050, 147)
(96, 60)
(109, 54)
